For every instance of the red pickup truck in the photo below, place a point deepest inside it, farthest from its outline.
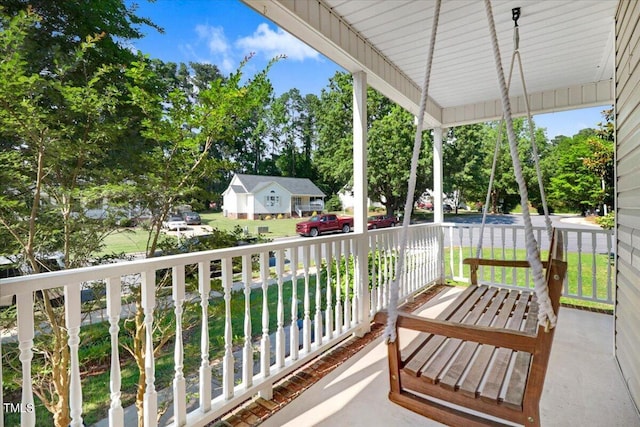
(324, 223)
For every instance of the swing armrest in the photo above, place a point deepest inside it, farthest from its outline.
(498, 337)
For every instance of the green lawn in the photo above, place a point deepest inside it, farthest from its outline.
(131, 240)
(134, 240)
(277, 227)
(127, 240)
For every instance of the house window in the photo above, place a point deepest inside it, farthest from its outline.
(297, 200)
(272, 199)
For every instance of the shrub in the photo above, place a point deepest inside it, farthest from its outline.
(333, 204)
(607, 221)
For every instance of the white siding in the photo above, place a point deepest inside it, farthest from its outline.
(230, 202)
(282, 206)
(627, 341)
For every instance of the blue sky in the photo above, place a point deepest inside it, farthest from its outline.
(223, 32)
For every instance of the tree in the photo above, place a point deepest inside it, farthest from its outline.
(572, 186)
(390, 148)
(464, 155)
(601, 159)
(184, 133)
(505, 194)
(185, 138)
(334, 156)
(57, 126)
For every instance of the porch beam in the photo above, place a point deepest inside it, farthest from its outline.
(586, 95)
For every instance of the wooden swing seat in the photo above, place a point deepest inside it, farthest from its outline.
(484, 352)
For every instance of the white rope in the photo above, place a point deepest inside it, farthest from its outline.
(546, 315)
(534, 153)
(494, 166)
(390, 331)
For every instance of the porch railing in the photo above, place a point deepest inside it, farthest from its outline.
(590, 255)
(312, 297)
(276, 306)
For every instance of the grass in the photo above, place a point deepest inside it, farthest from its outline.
(284, 227)
(127, 240)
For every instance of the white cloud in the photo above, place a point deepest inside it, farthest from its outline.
(218, 47)
(214, 37)
(273, 43)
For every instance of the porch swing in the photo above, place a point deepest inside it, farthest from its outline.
(484, 358)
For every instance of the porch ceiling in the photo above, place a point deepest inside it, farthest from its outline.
(566, 48)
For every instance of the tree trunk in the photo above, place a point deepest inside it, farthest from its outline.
(139, 344)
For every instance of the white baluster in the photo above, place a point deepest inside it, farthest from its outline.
(580, 293)
(355, 301)
(179, 383)
(265, 341)
(294, 335)
(594, 283)
(387, 268)
(318, 313)
(514, 280)
(374, 274)
(348, 288)
(608, 236)
(114, 306)
(247, 355)
(461, 270)
(328, 314)
(306, 325)
(24, 303)
(504, 255)
(451, 258)
(280, 338)
(73, 314)
(150, 400)
(228, 361)
(338, 288)
(424, 248)
(204, 287)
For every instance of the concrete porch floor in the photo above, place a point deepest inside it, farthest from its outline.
(583, 385)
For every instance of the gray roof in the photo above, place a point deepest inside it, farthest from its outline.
(296, 186)
(238, 189)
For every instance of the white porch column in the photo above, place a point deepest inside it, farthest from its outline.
(360, 195)
(438, 212)
(438, 215)
(360, 208)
